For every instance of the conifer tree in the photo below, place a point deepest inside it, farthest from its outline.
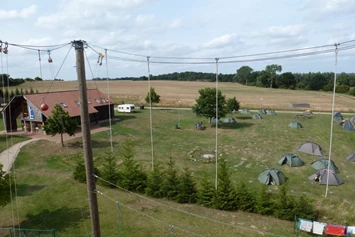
(225, 198)
(206, 192)
(31, 90)
(263, 204)
(245, 200)
(109, 171)
(154, 182)
(303, 207)
(26, 92)
(5, 181)
(187, 188)
(171, 182)
(284, 204)
(132, 176)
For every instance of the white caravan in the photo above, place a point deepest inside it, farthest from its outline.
(127, 108)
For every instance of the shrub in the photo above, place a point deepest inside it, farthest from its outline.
(352, 91)
(342, 89)
(328, 87)
(80, 172)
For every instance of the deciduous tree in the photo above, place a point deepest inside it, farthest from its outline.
(60, 122)
(206, 104)
(153, 98)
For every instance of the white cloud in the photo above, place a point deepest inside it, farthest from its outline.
(222, 41)
(284, 31)
(144, 19)
(175, 24)
(338, 6)
(24, 13)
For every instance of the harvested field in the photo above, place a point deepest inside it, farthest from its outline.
(173, 91)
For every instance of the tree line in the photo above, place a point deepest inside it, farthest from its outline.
(167, 181)
(9, 94)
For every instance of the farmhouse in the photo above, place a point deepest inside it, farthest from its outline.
(24, 110)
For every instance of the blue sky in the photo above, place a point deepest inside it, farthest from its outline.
(194, 28)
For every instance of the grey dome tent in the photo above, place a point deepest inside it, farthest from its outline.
(322, 163)
(321, 176)
(245, 111)
(337, 117)
(271, 112)
(257, 116)
(272, 176)
(352, 119)
(311, 148)
(213, 120)
(351, 157)
(295, 124)
(229, 120)
(292, 160)
(262, 111)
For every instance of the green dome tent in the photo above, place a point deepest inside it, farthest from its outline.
(257, 116)
(271, 112)
(321, 176)
(311, 148)
(351, 157)
(295, 124)
(322, 163)
(229, 120)
(246, 111)
(292, 160)
(272, 176)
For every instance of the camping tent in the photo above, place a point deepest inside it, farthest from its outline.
(321, 176)
(352, 119)
(351, 157)
(229, 120)
(272, 176)
(292, 160)
(213, 120)
(295, 124)
(271, 112)
(257, 116)
(311, 148)
(246, 111)
(322, 163)
(337, 117)
(262, 111)
(347, 125)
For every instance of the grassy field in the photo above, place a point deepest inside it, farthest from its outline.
(48, 197)
(173, 91)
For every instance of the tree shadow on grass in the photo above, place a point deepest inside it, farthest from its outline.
(94, 144)
(233, 125)
(124, 117)
(28, 189)
(244, 118)
(58, 219)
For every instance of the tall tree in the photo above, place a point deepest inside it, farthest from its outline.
(171, 182)
(225, 197)
(187, 188)
(206, 192)
(244, 74)
(286, 80)
(60, 122)
(245, 200)
(206, 104)
(154, 182)
(272, 70)
(132, 176)
(155, 98)
(109, 170)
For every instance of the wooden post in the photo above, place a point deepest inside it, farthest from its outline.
(85, 129)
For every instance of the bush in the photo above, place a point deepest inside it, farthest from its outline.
(328, 87)
(80, 172)
(352, 91)
(342, 89)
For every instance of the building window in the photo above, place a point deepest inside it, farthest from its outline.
(64, 105)
(98, 101)
(77, 103)
(89, 102)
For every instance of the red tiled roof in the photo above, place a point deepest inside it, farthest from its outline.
(95, 99)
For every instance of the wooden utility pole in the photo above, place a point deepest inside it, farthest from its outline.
(85, 129)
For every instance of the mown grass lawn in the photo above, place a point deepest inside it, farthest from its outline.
(49, 198)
